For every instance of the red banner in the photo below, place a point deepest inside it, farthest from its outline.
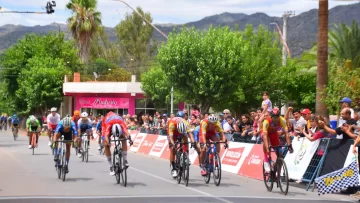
(148, 143)
(233, 156)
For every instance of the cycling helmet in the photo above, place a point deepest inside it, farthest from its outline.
(84, 114)
(275, 112)
(15, 115)
(53, 109)
(180, 114)
(116, 130)
(76, 113)
(32, 118)
(67, 121)
(212, 118)
(182, 127)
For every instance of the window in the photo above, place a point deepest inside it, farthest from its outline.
(144, 106)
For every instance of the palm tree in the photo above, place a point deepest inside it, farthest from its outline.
(322, 57)
(345, 43)
(83, 24)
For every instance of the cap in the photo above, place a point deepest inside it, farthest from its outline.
(226, 111)
(305, 111)
(221, 114)
(164, 114)
(346, 100)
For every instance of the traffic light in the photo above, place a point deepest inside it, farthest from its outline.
(49, 7)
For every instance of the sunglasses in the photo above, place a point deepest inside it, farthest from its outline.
(225, 113)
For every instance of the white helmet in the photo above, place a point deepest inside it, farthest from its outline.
(116, 130)
(212, 118)
(84, 115)
(32, 118)
(53, 109)
(182, 127)
(67, 121)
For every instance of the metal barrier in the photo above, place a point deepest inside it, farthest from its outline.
(316, 163)
(154, 131)
(236, 137)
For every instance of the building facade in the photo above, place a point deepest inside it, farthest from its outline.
(101, 97)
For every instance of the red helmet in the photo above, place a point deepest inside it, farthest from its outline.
(275, 112)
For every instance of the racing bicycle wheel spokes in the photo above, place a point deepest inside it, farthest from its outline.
(206, 167)
(178, 167)
(63, 168)
(86, 152)
(122, 170)
(116, 167)
(186, 168)
(217, 169)
(268, 179)
(282, 176)
(33, 143)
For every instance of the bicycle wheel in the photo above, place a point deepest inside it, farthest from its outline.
(116, 167)
(282, 175)
(122, 170)
(206, 166)
(186, 168)
(217, 169)
(33, 143)
(268, 179)
(63, 168)
(86, 152)
(178, 167)
(59, 164)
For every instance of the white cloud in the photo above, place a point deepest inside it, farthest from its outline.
(163, 11)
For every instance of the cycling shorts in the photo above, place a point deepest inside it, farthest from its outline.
(15, 125)
(67, 135)
(83, 130)
(209, 136)
(53, 126)
(33, 128)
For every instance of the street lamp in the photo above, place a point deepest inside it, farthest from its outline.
(49, 9)
(283, 41)
(163, 34)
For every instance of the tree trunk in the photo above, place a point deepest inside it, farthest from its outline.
(322, 57)
(204, 108)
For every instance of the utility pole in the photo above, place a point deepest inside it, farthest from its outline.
(49, 9)
(286, 17)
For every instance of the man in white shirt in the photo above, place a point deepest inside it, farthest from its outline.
(53, 120)
(298, 122)
(345, 103)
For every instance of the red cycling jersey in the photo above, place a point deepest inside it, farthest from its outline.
(109, 120)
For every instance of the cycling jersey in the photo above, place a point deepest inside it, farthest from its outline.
(196, 133)
(209, 130)
(172, 127)
(272, 130)
(15, 121)
(99, 126)
(52, 121)
(84, 126)
(67, 134)
(109, 120)
(32, 126)
(75, 119)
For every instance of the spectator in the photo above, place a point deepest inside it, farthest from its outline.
(357, 118)
(186, 117)
(165, 120)
(253, 114)
(247, 131)
(195, 110)
(222, 120)
(228, 127)
(266, 104)
(151, 122)
(135, 118)
(306, 113)
(245, 121)
(320, 133)
(172, 115)
(193, 118)
(313, 125)
(345, 131)
(132, 124)
(298, 122)
(345, 103)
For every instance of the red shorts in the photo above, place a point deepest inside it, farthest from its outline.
(273, 139)
(209, 136)
(52, 126)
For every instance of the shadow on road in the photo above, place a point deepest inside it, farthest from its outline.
(133, 184)
(77, 179)
(40, 154)
(95, 161)
(10, 145)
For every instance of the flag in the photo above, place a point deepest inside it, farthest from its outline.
(340, 179)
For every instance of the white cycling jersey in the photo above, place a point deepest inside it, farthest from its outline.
(53, 120)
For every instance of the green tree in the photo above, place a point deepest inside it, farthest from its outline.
(101, 47)
(118, 74)
(83, 24)
(24, 55)
(203, 66)
(156, 85)
(136, 46)
(345, 43)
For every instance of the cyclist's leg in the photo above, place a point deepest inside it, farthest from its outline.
(216, 138)
(124, 150)
(107, 145)
(30, 135)
(68, 136)
(172, 153)
(55, 146)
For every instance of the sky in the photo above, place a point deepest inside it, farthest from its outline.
(162, 11)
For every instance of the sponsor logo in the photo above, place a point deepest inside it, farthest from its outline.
(233, 156)
(137, 141)
(254, 160)
(159, 145)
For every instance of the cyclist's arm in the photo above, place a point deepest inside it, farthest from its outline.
(48, 119)
(27, 125)
(171, 129)
(265, 135)
(203, 131)
(220, 131)
(37, 125)
(73, 129)
(286, 130)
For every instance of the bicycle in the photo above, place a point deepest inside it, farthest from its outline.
(182, 162)
(33, 141)
(275, 171)
(212, 163)
(15, 131)
(101, 150)
(61, 165)
(84, 147)
(119, 168)
(52, 138)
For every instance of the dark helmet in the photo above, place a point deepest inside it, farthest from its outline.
(180, 114)
(275, 112)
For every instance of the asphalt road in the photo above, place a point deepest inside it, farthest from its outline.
(27, 178)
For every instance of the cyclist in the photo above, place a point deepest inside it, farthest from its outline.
(178, 127)
(15, 121)
(33, 125)
(9, 121)
(210, 128)
(67, 128)
(4, 121)
(113, 124)
(270, 128)
(99, 130)
(84, 126)
(52, 120)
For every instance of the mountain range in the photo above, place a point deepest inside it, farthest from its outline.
(301, 34)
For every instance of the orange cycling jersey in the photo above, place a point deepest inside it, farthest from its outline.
(209, 130)
(109, 120)
(272, 130)
(172, 126)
